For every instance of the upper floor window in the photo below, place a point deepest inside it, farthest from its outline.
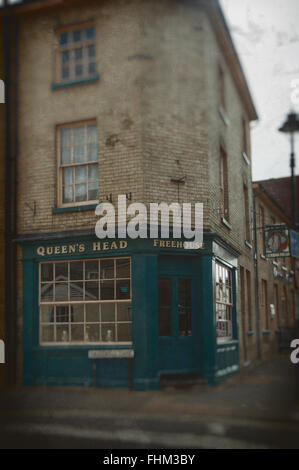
(246, 211)
(221, 90)
(77, 163)
(76, 53)
(244, 137)
(223, 185)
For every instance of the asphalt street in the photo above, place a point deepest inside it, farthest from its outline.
(258, 409)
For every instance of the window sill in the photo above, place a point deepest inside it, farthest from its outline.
(250, 333)
(223, 115)
(266, 332)
(248, 244)
(225, 222)
(246, 159)
(59, 210)
(55, 86)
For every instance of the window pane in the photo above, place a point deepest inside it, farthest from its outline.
(67, 175)
(78, 70)
(91, 51)
(77, 332)
(124, 332)
(107, 290)
(79, 154)
(107, 269)
(68, 195)
(92, 152)
(77, 313)
(76, 291)
(78, 135)
(164, 322)
(63, 39)
(122, 268)
(91, 270)
(47, 292)
(66, 137)
(81, 192)
(47, 314)
(90, 33)
(164, 292)
(61, 291)
(46, 272)
(92, 133)
(124, 311)
(66, 155)
(61, 271)
(80, 174)
(108, 312)
(76, 270)
(65, 57)
(92, 69)
(92, 333)
(65, 72)
(62, 334)
(91, 290)
(123, 289)
(78, 53)
(77, 35)
(185, 327)
(47, 334)
(92, 313)
(184, 288)
(92, 191)
(93, 172)
(108, 332)
(62, 314)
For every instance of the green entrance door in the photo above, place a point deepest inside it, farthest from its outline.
(176, 335)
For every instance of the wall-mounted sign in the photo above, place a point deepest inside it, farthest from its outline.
(297, 273)
(277, 242)
(294, 243)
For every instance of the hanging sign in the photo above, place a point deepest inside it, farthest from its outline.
(277, 242)
(294, 243)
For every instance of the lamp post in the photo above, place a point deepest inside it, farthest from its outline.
(290, 126)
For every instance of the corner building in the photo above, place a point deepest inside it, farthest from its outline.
(147, 99)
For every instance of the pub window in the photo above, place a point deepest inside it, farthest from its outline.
(76, 53)
(224, 303)
(224, 209)
(164, 299)
(77, 163)
(184, 307)
(85, 301)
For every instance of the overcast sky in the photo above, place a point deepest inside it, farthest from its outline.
(266, 36)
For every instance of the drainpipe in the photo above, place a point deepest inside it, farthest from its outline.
(256, 282)
(9, 30)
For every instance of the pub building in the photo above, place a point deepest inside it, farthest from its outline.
(148, 99)
(168, 305)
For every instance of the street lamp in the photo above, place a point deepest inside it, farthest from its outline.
(290, 126)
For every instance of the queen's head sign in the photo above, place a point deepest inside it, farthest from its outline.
(277, 242)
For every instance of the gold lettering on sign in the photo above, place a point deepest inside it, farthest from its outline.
(123, 244)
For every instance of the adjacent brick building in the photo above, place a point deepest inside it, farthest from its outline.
(145, 99)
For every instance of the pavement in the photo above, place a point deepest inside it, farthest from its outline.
(259, 408)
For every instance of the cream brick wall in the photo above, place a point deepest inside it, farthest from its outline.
(157, 94)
